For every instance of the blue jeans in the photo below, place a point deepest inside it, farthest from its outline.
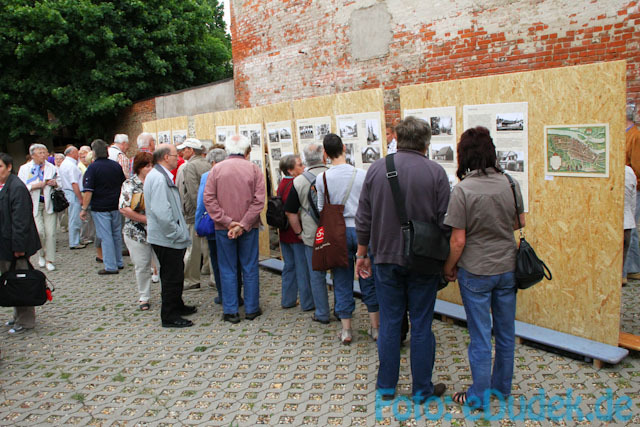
(368, 289)
(319, 291)
(295, 277)
(343, 279)
(75, 223)
(213, 257)
(108, 228)
(632, 263)
(398, 288)
(480, 295)
(246, 248)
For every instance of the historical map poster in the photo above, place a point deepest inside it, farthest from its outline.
(577, 150)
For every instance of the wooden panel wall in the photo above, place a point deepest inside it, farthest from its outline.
(575, 224)
(150, 127)
(205, 126)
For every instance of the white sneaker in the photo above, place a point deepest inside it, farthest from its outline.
(155, 278)
(50, 266)
(41, 261)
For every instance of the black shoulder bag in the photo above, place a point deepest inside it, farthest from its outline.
(529, 268)
(425, 246)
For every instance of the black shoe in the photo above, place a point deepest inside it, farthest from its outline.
(387, 397)
(103, 271)
(315, 319)
(177, 323)
(121, 268)
(188, 309)
(217, 300)
(251, 316)
(233, 318)
(99, 259)
(438, 391)
(192, 287)
(309, 309)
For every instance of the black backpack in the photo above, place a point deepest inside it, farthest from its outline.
(276, 216)
(312, 197)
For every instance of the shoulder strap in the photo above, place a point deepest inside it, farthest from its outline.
(327, 200)
(310, 177)
(353, 178)
(515, 199)
(392, 176)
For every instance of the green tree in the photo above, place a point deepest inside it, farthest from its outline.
(75, 64)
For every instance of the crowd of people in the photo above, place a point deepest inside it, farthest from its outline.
(181, 210)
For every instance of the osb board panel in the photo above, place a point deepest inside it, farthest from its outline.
(364, 101)
(205, 126)
(163, 125)
(179, 123)
(575, 224)
(149, 127)
(320, 106)
(278, 113)
(224, 118)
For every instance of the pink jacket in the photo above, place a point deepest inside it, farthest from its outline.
(235, 191)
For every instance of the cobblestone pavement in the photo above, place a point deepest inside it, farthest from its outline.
(95, 359)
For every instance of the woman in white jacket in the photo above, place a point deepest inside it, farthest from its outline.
(40, 177)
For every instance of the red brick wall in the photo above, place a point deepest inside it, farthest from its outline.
(287, 49)
(131, 119)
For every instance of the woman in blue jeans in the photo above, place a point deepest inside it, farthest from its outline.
(483, 214)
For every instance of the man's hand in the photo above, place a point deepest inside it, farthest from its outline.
(83, 215)
(363, 267)
(451, 273)
(235, 232)
(52, 183)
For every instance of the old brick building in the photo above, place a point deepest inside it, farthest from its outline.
(288, 49)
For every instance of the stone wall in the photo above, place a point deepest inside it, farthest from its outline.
(293, 49)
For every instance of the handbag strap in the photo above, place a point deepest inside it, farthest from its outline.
(515, 200)
(392, 176)
(327, 200)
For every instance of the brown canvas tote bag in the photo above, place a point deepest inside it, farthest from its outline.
(330, 244)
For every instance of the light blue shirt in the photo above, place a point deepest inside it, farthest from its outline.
(338, 178)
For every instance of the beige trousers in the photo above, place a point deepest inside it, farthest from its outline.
(192, 257)
(23, 316)
(46, 225)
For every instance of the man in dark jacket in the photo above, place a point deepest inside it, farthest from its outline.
(425, 186)
(18, 234)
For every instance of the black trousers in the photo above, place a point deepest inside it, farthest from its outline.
(172, 280)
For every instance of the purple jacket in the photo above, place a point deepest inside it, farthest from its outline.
(426, 191)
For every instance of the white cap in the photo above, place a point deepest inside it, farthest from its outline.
(191, 143)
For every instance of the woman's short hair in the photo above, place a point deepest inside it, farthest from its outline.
(413, 134)
(288, 163)
(216, 155)
(333, 145)
(7, 160)
(141, 160)
(476, 152)
(100, 147)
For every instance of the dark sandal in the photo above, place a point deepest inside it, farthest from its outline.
(460, 397)
(145, 306)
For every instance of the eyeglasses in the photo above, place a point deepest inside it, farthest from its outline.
(172, 155)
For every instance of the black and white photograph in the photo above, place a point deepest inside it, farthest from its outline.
(442, 152)
(276, 154)
(306, 132)
(373, 131)
(179, 137)
(321, 131)
(370, 153)
(255, 138)
(222, 138)
(509, 122)
(274, 135)
(349, 152)
(348, 129)
(285, 133)
(511, 161)
(441, 125)
(278, 175)
(163, 138)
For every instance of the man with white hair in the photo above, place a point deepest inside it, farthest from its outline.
(70, 178)
(188, 186)
(146, 142)
(117, 152)
(234, 196)
(40, 177)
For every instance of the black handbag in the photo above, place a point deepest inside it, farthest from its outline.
(425, 246)
(23, 288)
(529, 268)
(59, 200)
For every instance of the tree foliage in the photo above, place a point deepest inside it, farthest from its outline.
(75, 64)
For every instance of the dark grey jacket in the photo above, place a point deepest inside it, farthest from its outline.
(18, 232)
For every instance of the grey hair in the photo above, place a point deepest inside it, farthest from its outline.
(313, 154)
(216, 155)
(36, 146)
(70, 150)
(413, 134)
(238, 144)
(58, 155)
(288, 162)
(120, 138)
(85, 148)
(631, 112)
(161, 151)
(144, 138)
(99, 147)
